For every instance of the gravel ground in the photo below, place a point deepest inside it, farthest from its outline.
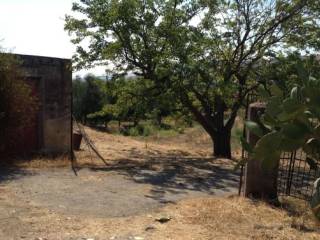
(118, 201)
(126, 191)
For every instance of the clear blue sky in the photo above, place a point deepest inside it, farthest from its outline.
(35, 27)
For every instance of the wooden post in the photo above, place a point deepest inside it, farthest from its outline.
(259, 183)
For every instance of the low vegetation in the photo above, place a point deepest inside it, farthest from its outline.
(291, 121)
(101, 103)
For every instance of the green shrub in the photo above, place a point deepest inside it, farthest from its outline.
(180, 130)
(134, 131)
(291, 121)
(148, 130)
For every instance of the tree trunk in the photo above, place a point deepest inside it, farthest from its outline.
(214, 125)
(159, 120)
(119, 125)
(222, 143)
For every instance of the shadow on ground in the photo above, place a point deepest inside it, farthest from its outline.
(128, 187)
(176, 176)
(12, 173)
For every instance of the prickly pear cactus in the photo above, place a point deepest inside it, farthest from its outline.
(315, 201)
(291, 121)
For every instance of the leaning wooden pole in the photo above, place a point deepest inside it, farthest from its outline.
(72, 155)
(90, 143)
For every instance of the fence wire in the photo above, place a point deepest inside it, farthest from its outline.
(296, 173)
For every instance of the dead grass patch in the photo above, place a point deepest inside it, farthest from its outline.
(203, 219)
(239, 218)
(40, 162)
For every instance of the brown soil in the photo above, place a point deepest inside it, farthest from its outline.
(146, 180)
(195, 142)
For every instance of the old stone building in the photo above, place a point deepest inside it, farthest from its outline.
(51, 82)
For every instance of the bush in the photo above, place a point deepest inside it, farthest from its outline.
(17, 104)
(180, 130)
(139, 130)
(148, 130)
(134, 131)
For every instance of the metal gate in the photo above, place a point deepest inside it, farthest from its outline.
(296, 173)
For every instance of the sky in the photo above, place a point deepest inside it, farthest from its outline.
(36, 27)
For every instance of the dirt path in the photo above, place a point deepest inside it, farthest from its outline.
(126, 191)
(140, 181)
(200, 218)
(146, 181)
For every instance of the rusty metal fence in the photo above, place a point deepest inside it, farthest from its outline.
(296, 173)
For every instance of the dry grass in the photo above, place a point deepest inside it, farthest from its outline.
(238, 218)
(203, 219)
(193, 143)
(40, 162)
(45, 162)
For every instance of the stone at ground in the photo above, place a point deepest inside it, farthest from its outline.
(163, 219)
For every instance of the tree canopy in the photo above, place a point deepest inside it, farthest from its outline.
(209, 53)
(121, 99)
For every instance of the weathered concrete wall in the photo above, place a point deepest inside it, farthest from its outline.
(54, 81)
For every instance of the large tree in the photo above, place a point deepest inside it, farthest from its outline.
(207, 52)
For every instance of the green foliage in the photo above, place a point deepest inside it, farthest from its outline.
(292, 120)
(254, 128)
(88, 98)
(121, 99)
(246, 146)
(315, 201)
(267, 149)
(78, 91)
(206, 53)
(148, 128)
(93, 97)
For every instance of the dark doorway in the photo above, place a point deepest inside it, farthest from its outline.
(30, 136)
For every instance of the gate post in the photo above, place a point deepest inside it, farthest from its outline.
(259, 182)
